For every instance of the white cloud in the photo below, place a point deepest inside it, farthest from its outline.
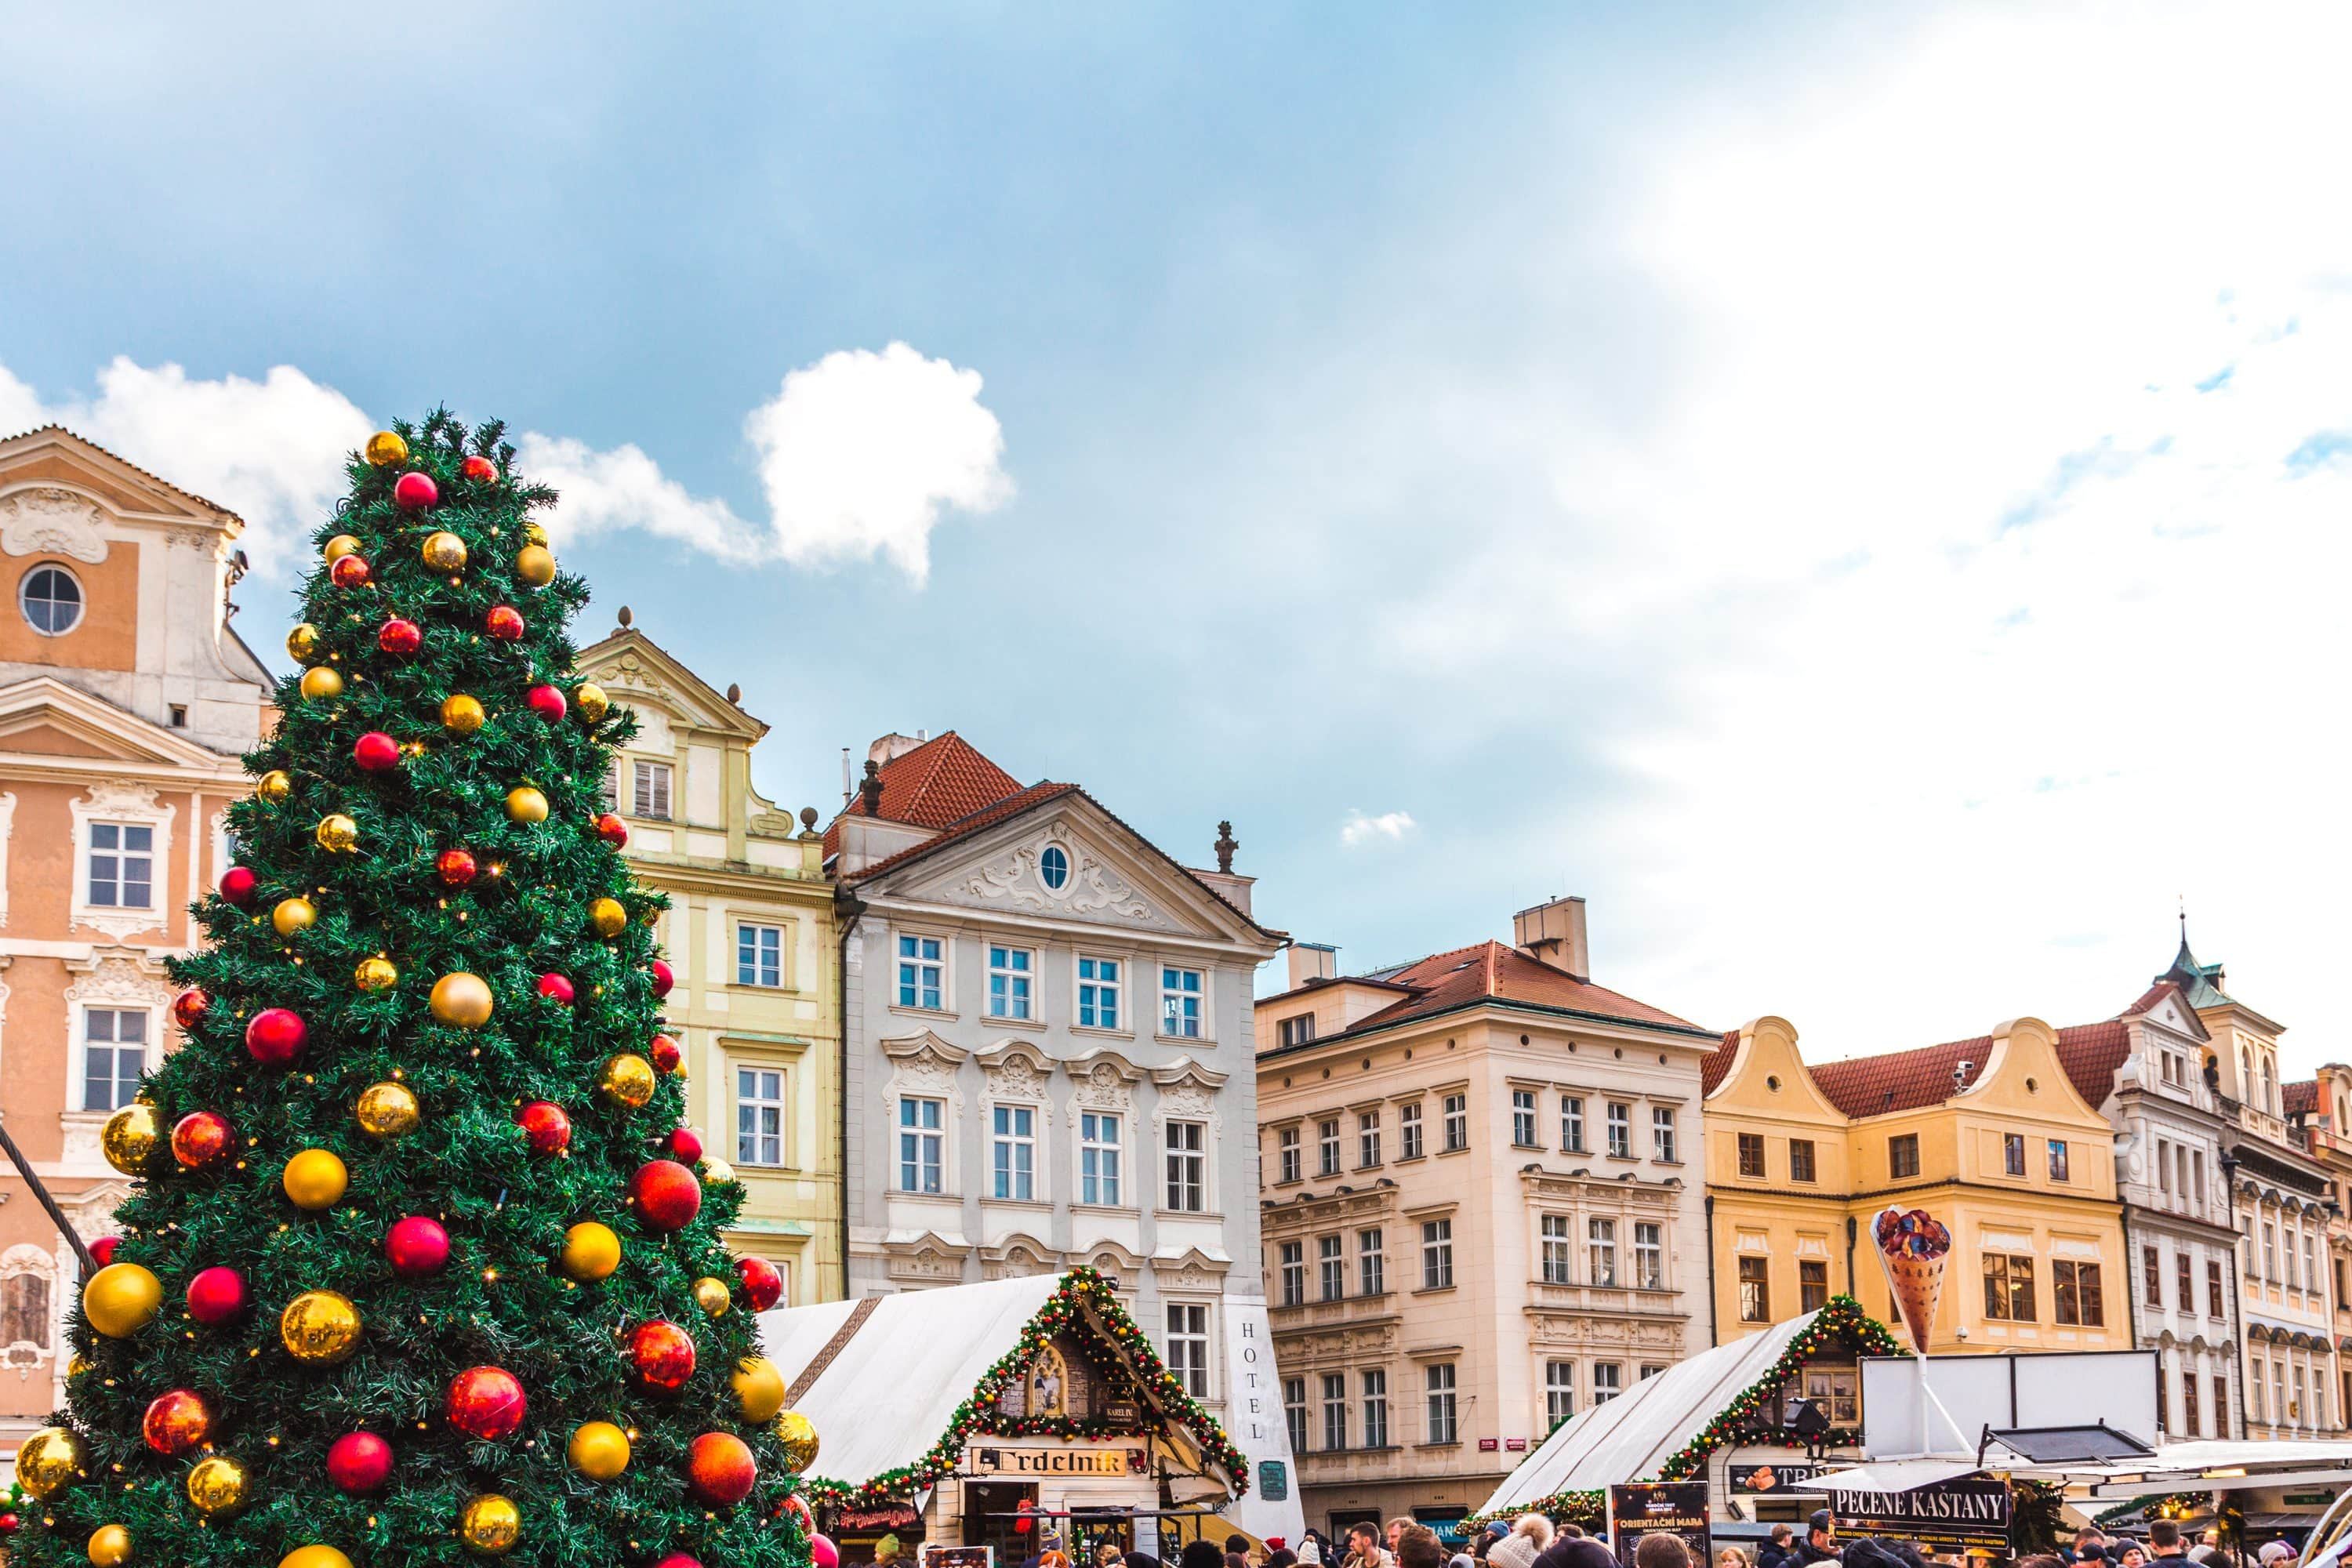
(1388, 827)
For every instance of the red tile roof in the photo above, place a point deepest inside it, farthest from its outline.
(1905, 1081)
(936, 785)
(2300, 1098)
(1717, 1062)
(987, 816)
(1491, 971)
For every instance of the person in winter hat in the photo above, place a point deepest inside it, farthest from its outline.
(1530, 1533)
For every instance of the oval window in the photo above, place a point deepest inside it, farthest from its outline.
(51, 600)
(1054, 867)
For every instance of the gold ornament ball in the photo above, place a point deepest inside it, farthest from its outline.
(120, 1299)
(588, 700)
(315, 1179)
(797, 1433)
(79, 1366)
(322, 681)
(444, 552)
(598, 1450)
(386, 1109)
(384, 449)
(607, 918)
(462, 1000)
(319, 1327)
(338, 834)
(590, 1251)
(759, 1387)
(461, 714)
(109, 1546)
(342, 544)
(273, 786)
(293, 914)
(535, 534)
(716, 1171)
(218, 1485)
(535, 565)
(314, 1557)
(525, 803)
(130, 1138)
(50, 1460)
(625, 1079)
(710, 1294)
(302, 641)
(377, 973)
(490, 1525)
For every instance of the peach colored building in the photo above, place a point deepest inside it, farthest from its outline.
(125, 700)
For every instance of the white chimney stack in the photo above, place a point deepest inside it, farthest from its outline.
(1554, 933)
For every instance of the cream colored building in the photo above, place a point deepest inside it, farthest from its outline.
(2320, 1110)
(752, 937)
(1482, 1210)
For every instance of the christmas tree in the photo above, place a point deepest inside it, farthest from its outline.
(423, 1266)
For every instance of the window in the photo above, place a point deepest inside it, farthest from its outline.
(1294, 1273)
(1601, 1239)
(2192, 1421)
(1334, 1267)
(1752, 1155)
(1440, 1380)
(2076, 1288)
(1607, 1381)
(2009, 1286)
(1188, 1166)
(1295, 1031)
(1903, 1156)
(2197, 1193)
(1620, 1132)
(2163, 1166)
(1812, 1284)
(1188, 1346)
(759, 1116)
(1755, 1290)
(1099, 1153)
(921, 1143)
(1335, 1410)
(2222, 1402)
(1558, 1250)
(2151, 1276)
(920, 969)
(1368, 1139)
(1649, 1256)
(1014, 1154)
(1651, 1369)
(1293, 1410)
(1054, 867)
(1662, 1134)
(2254, 1384)
(1559, 1392)
(1838, 1391)
(24, 1311)
(1008, 981)
(121, 866)
(1458, 1122)
(51, 600)
(1571, 1124)
(2185, 1278)
(2310, 1263)
(2270, 1252)
(1800, 1159)
(2058, 1159)
(1285, 1158)
(1372, 1263)
(1436, 1254)
(1523, 1118)
(1376, 1409)
(1326, 1149)
(2012, 1154)
(759, 954)
(1409, 1131)
(649, 790)
(1097, 993)
(1180, 1002)
(114, 1053)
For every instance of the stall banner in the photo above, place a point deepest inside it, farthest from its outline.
(1678, 1508)
(1968, 1512)
(992, 1459)
(959, 1557)
(1747, 1478)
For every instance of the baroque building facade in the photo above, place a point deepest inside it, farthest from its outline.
(2320, 1110)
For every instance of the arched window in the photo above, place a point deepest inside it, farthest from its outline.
(2270, 1092)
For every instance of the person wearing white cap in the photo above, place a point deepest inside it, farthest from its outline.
(2275, 1552)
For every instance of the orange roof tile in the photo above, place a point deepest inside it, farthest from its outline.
(1905, 1081)
(936, 784)
(2300, 1098)
(1491, 971)
(1717, 1062)
(987, 816)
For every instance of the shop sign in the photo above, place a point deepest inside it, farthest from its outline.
(885, 1516)
(1745, 1478)
(1515, 1444)
(1099, 1461)
(959, 1557)
(1970, 1512)
(1678, 1508)
(2307, 1500)
(1488, 1445)
(1272, 1481)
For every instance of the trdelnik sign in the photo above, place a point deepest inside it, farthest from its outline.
(1966, 1512)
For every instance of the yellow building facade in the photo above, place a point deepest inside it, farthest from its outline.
(1991, 1135)
(751, 938)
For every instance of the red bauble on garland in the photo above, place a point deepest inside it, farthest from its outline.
(376, 751)
(612, 829)
(763, 1287)
(545, 1125)
(201, 1138)
(237, 885)
(544, 701)
(686, 1145)
(665, 1195)
(359, 1462)
(10, 1523)
(415, 491)
(216, 1295)
(455, 866)
(275, 1035)
(663, 1052)
(484, 1402)
(661, 1354)
(416, 1247)
(721, 1469)
(398, 636)
(103, 1249)
(663, 978)
(348, 572)
(481, 469)
(675, 1560)
(188, 1007)
(176, 1422)
(504, 622)
(556, 989)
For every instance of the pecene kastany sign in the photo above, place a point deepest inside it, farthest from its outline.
(1966, 1511)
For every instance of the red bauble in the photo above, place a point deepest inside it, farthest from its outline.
(456, 867)
(276, 1034)
(239, 885)
(504, 622)
(544, 701)
(216, 1295)
(176, 1422)
(720, 1469)
(11, 1523)
(416, 1247)
(103, 1249)
(376, 751)
(415, 491)
(763, 1287)
(612, 829)
(200, 1138)
(663, 1052)
(188, 1006)
(685, 1146)
(663, 978)
(661, 1354)
(481, 469)
(545, 1125)
(348, 572)
(675, 1560)
(665, 1195)
(555, 988)
(397, 635)
(359, 1461)
(484, 1402)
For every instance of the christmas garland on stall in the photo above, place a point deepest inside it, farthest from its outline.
(2162, 1505)
(1084, 1302)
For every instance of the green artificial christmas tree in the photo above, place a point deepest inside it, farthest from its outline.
(423, 1267)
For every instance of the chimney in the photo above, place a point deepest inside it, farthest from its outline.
(891, 747)
(1553, 933)
(1312, 960)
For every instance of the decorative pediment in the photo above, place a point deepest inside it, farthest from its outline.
(1194, 1269)
(1105, 1081)
(1016, 1069)
(119, 974)
(44, 519)
(1186, 1087)
(637, 672)
(53, 462)
(924, 1046)
(46, 716)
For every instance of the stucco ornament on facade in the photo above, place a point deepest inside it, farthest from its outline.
(43, 520)
(1089, 887)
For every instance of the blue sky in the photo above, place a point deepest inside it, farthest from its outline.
(1861, 498)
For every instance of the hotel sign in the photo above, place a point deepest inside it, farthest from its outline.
(1103, 1459)
(1970, 1512)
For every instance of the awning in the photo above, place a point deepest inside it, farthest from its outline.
(1892, 1476)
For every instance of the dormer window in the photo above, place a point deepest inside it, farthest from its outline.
(1054, 867)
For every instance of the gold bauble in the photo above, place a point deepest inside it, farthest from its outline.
(490, 1525)
(797, 1433)
(384, 449)
(293, 914)
(338, 834)
(218, 1485)
(130, 1138)
(590, 1251)
(710, 1294)
(588, 700)
(462, 1000)
(461, 714)
(444, 552)
(274, 785)
(49, 1461)
(607, 918)
(79, 1366)
(120, 1299)
(525, 803)
(319, 1327)
(625, 1079)
(535, 564)
(386, 1109)
(377, 973)
(598, 1450)
(302, 641)
(342, 544)
(314, 1557)
(759, 1387)
(535, 534)
(322, 681)
(315, 1179)
(716, 1171)
(109, 1546)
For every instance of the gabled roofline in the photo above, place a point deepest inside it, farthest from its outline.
(38, 692)
(1690, 1032)
(734, 719)
(93, 450)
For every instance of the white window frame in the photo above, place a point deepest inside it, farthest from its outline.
(1198, 1335)
(1184, 1149)
(1571, 1124)
(1600, 1250)
(150, 1050)
(1556, 1244)
(653, 789)
(1102, 1161)
(1523, 1119)
(1090, 993)
(782, 1104)
(1608, 1381)
(81, 602)
(1457, 1122)
(761, 932)
(1444, 1408)
(1197, 1017)
(1665, 1140)
(1290, 1158)
(1331, 1268)
(1293, 1412)
(1012, 1142)
(1409, 1138)
(1621, 1129)
(1437, 1253)
(1649, 1255)
(936, 1137)
(1374, 1382)
(129, 805)
(1335, 1413)
(1559, 1392)
(1018, 967)
(1368, 1139)
(1329, 1147)
(1371, 1261)
(1291, 1259)
(900, 961)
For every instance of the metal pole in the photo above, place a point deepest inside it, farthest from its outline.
(25, 1169)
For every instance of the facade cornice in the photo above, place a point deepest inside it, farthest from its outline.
(1081, 932)
(660, 868)
(1682, 1037)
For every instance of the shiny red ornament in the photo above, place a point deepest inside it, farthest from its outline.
(176, 1422)
(665, 1195)
(456, 868)
(556, 989)
(661, 1354)
(721, 1469)
(348, 572)
(612, 829)
(545, 1125)
(359, 1462)
(189, 1006)
(686, 1145)
(544, 701)
(375, 751)
(217, 1295)
(484, 1402)
(504, 622)
(481, 469)
(275, 1035)
(763, 1287)
(11, 1523)
(663, 1052)
(415, 491)
(200, 1138)
(663, 978)
(103, 1249)
(675, 1560)
(237, 885)
(397, 635)
(416, 1247)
